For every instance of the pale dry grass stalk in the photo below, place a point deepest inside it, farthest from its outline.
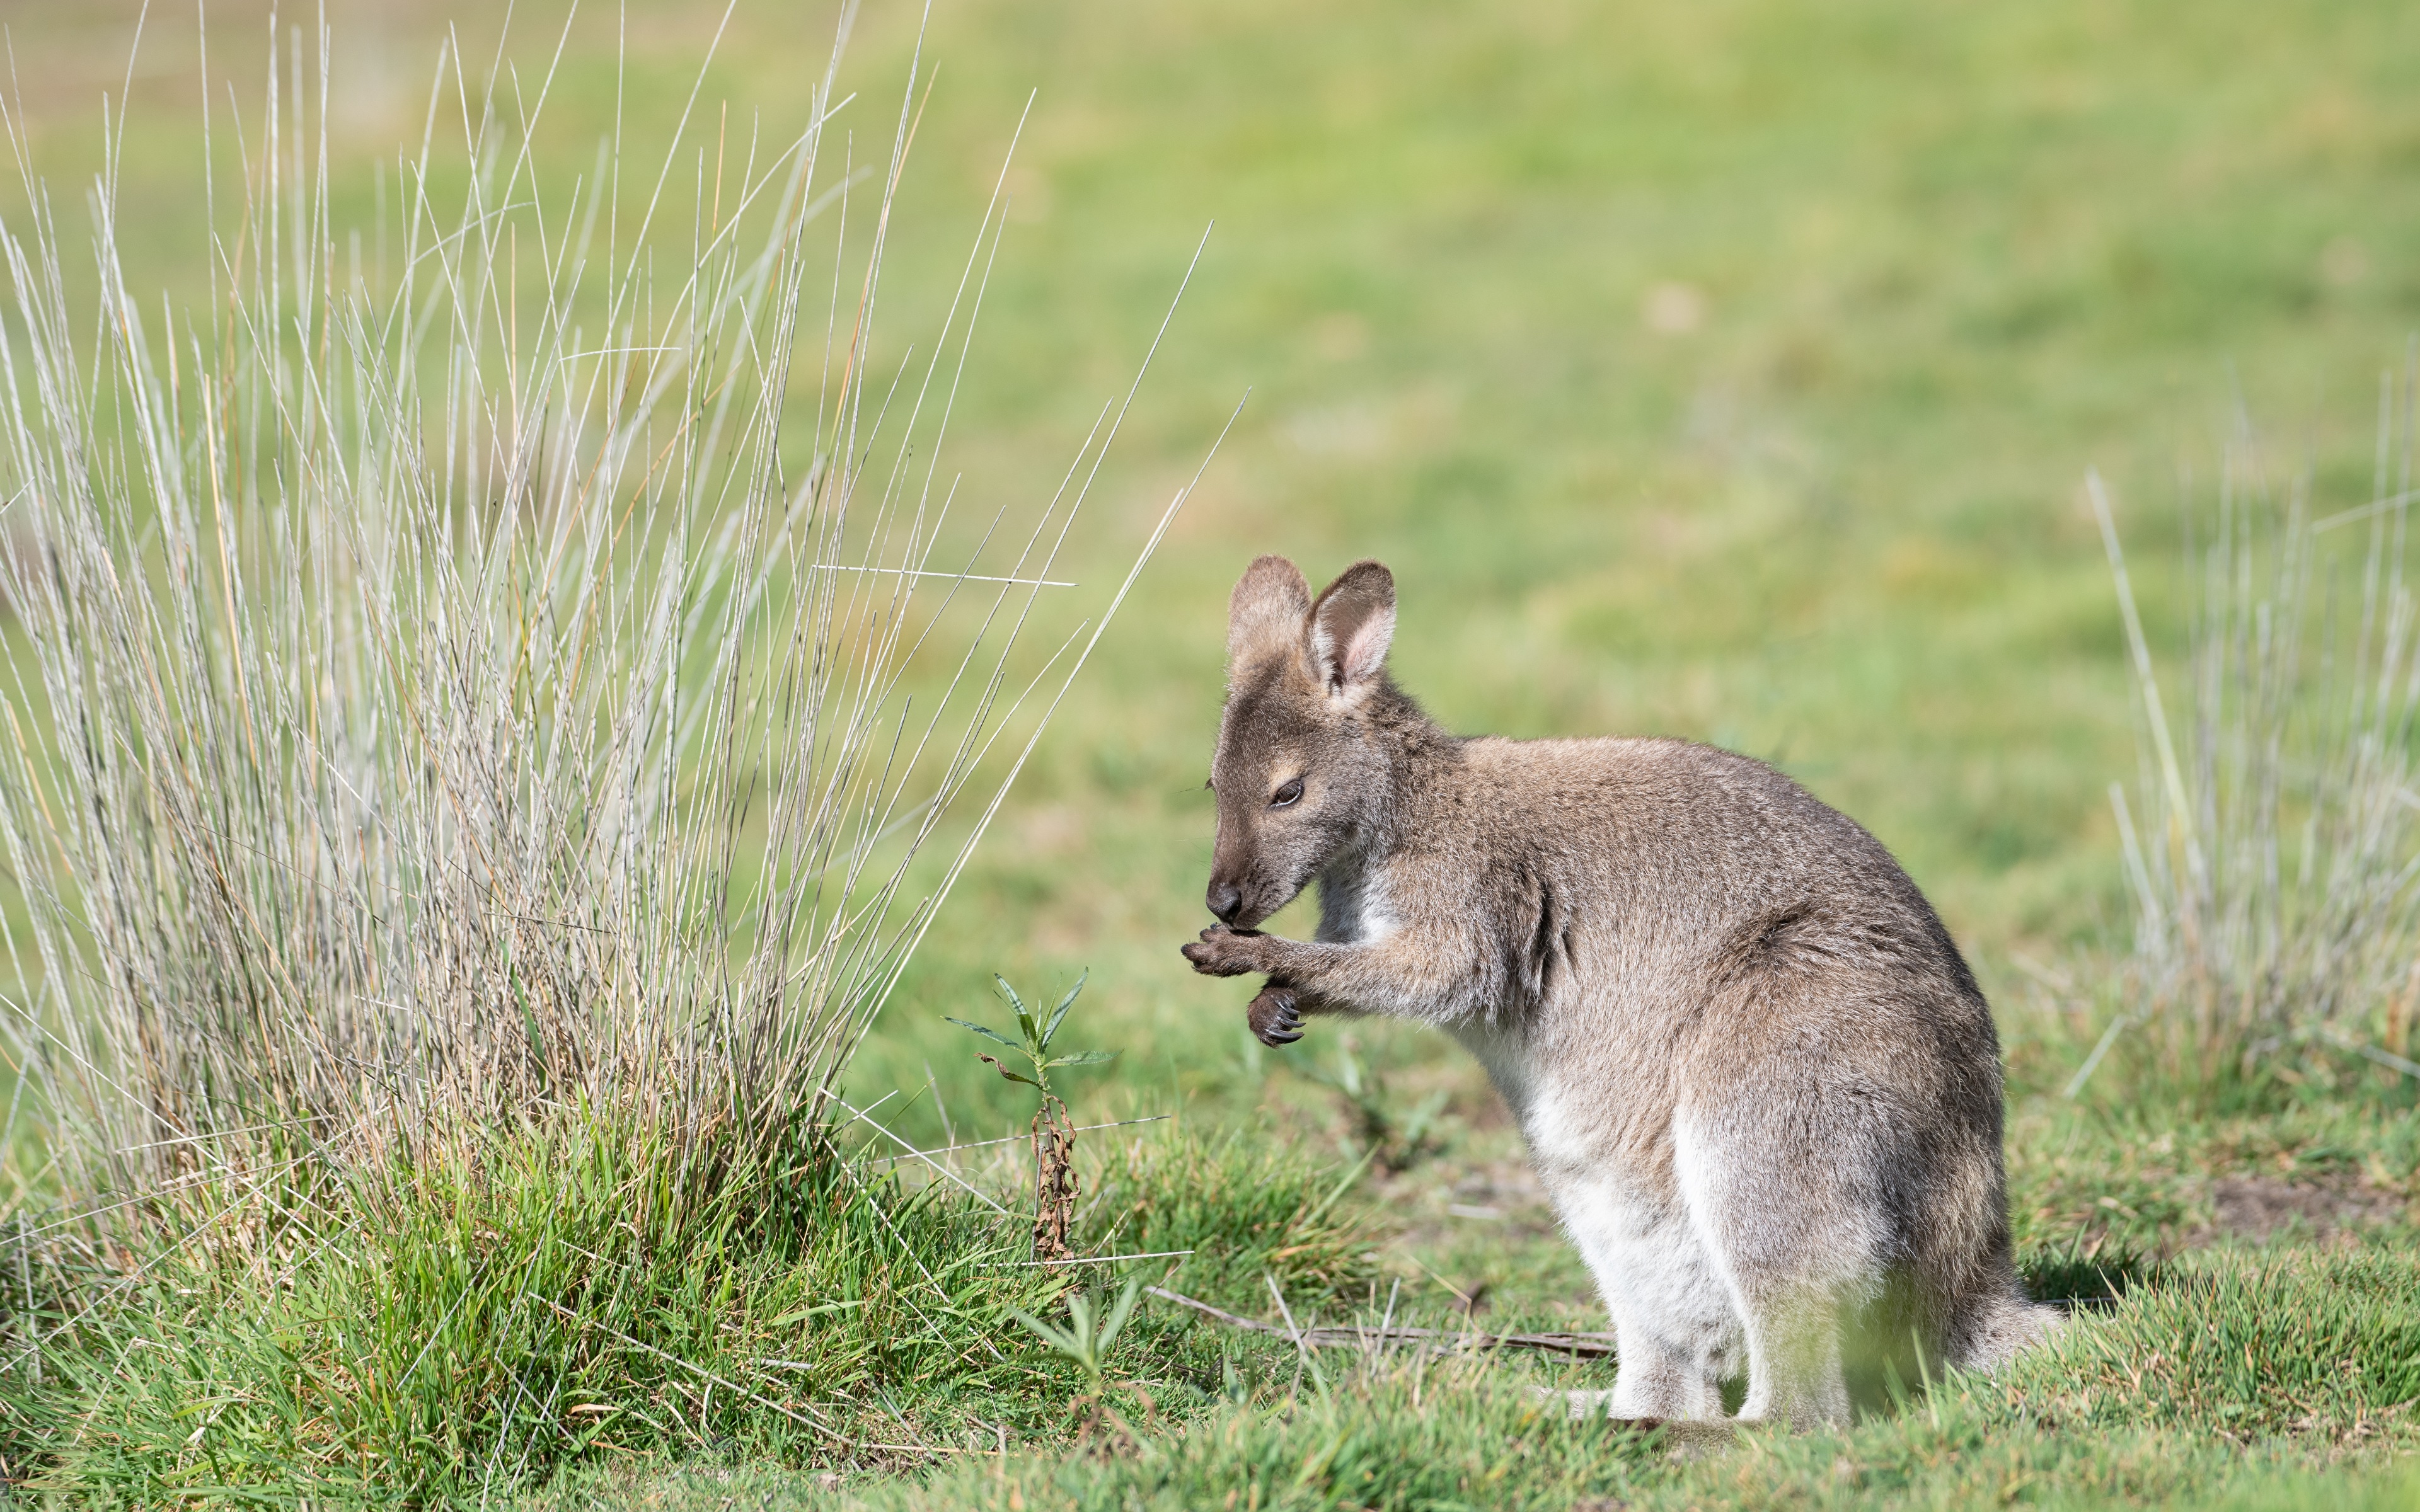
(474, 699)
(2271, 843)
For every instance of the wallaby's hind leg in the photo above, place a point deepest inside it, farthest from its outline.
(1675, 1334)
(1794, 1256)
(1656, 1381)
(1795, 1373)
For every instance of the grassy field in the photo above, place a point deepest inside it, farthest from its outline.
(1728, 371)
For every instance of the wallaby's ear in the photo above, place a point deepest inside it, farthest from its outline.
(1265, 615)
(1350, 629)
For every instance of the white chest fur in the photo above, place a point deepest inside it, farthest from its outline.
(1353, 908)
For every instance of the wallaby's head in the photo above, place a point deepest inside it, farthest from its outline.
(1298, 772)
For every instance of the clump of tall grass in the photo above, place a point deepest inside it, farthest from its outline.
(2272, 842)
(541, 695)
(448, 1334)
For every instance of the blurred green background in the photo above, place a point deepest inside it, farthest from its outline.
(1726, 370)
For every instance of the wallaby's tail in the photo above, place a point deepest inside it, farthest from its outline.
(1999, 1327)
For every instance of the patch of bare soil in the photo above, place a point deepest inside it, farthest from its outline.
(2256, 1209)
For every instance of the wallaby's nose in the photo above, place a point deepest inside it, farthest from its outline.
(1226, 899)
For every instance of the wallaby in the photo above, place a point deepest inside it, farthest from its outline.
(1754, 1076)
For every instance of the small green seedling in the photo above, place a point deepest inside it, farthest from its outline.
(1093, 1324)
(1091, 1329)
(1038, 1035)
(1054, 1132)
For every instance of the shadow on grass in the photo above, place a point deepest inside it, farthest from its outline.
(2079, 1283)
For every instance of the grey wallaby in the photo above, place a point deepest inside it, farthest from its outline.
(1756, 1077)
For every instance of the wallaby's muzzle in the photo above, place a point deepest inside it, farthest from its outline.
(1237, 896)
(1225, 899)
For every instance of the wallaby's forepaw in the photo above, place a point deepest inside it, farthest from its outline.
(1222, 952)
(1275, 1018)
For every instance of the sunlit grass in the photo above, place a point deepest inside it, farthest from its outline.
(467, 767)
(1724, 371)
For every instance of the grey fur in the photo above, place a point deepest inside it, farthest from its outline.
(1754, 1073)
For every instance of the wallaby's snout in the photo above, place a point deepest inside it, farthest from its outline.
(1295, 772)
(1226, 899)
(1250, 877)
(1242, 892)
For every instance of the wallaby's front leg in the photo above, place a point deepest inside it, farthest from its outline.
(1404, 975)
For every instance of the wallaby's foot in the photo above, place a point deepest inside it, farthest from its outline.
(1275, 1018)
(1225, 952)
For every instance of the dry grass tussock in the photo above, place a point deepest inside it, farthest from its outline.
(2272, 842)
(486, 695)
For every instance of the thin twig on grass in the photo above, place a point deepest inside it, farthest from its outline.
(1580, 1346)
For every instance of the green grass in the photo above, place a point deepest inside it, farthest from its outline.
(2115, 1414)
(1246, 1207)
(2140, 1471)
(2242, 1351)
(2203, 1366)
(1722, 370)
(2150, 1402)
(563, 1299)
(558, 1300)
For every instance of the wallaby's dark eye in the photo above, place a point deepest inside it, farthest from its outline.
(1286, 795)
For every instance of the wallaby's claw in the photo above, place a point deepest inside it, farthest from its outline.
(1275, 1019)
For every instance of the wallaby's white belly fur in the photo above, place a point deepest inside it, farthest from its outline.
(1650, 1256)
